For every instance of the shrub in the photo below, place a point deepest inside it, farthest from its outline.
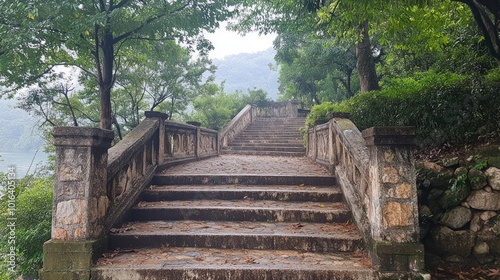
(33, 224)
(445, 107)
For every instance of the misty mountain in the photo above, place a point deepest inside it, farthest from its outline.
(19, 131)
(248, 71)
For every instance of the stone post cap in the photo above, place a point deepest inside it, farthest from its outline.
(82, 136)
(155, 114)
(389, 136)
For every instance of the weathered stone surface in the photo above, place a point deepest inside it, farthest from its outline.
(432, 166)
(403, 190)
(390, 175)
(493, 175)
(450, 162)
(388, 156)
(457, 217)
(59, 234)
(476, 224)
(483, 200)
(453, 197)
(397, 215)
(485, 216)
(439, 179)
(477, 179)
(71, 212)
(460, 171)
(444, 241)
(481, 248)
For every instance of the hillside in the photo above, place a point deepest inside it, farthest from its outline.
(247, 71)
(19, 131)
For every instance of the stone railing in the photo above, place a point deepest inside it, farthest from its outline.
(376, 172)
(266, 109)
(184, 142)
(237, 124)
(288, 109)
(95, 185)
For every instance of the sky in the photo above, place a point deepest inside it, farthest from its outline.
(229, 42)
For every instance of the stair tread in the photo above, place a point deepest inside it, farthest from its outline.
(247, 188)
(245, 204)
(346, 231)
(214, 258)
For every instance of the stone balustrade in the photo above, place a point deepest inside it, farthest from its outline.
(184, 142)
(95, 185)
(245, 117)
(376, 171)
(288, 109)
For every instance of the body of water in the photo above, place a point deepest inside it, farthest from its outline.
(24, 162)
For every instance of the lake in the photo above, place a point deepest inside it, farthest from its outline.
(24, 162)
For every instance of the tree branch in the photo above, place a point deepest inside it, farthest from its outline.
(148, 21)
(119, 5)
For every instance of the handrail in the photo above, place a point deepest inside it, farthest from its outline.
(376, 171)
(237, 124)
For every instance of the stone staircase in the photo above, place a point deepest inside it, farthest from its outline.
(222, 219)
(164, 204)
(269, 136)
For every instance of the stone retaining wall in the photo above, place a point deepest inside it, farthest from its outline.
(460, 211)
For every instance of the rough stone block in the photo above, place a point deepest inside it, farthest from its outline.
(399, 256)
(397, 215)
(483, 200)
(70, 260)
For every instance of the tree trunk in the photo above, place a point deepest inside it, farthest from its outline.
(364, 60)
(489, 27)
(106, 82)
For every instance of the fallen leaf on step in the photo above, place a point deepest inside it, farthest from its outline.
(297, 226)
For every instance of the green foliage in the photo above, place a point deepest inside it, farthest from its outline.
(458, 191)
(321, 113)
(445, 108)
(481, 165)
(214, 108)
(33, 210)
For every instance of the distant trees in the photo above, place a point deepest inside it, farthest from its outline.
(95, 36)
(384, 34)
(214, 108)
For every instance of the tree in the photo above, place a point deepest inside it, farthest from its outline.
(313, 69)
(94, 36)
(486, 13)
(214, 108)
(286, 16)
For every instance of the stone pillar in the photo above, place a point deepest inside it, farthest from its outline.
(80, 202)
(393, 210)
(162, 135)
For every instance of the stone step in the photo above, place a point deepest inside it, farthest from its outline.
(243, 179)
(272, 125)
(270, 133)
(238, 210)
(241, 192)
(310, 237)
(181, 263)
(280, 120)
(269, 141)
(263, 153)
(257, 145)
(267, 148)
(272, 137)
